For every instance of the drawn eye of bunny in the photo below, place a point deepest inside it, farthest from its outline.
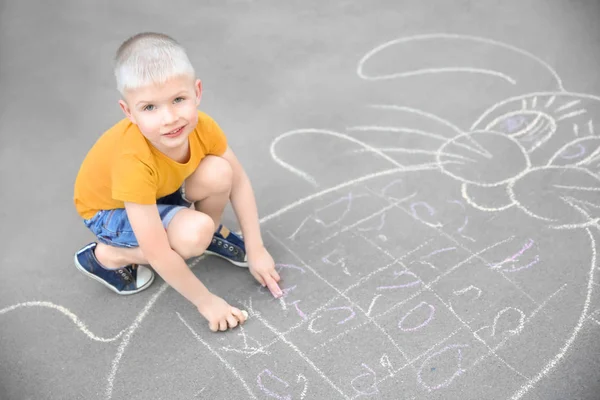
(530, 127)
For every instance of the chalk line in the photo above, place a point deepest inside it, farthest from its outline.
(519, 97)
(282, 337)
(306, 176)
(340, 186)
(450, 36)
(554, 362)
(472, 203)
(80, 325)
(417, 111)
(223, 361)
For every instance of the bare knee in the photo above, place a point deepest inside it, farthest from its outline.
(214, 176)
(190, 233)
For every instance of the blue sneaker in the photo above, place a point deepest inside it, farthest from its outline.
(228, 245)
(126, 280)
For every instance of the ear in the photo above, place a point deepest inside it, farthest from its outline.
(126, 110)
(198, 87)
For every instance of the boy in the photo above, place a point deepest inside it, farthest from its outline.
(137, 184)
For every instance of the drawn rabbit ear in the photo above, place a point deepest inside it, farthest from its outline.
(453, 54)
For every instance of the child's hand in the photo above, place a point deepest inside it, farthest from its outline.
(219, 314)
(262, 268)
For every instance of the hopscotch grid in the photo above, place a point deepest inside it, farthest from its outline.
(459, 244)
(338, 296)
(425, 287)
(340, 293)
(451, 310)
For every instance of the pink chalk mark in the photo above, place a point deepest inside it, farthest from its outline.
(352, 313)
(526, 247)
(531, 264)
(300, 313)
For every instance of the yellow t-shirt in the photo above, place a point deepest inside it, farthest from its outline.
(123, 166)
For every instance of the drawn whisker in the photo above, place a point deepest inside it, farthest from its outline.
(523, 104)
(418, 112)
(571, 114)
(576, 129)
(550, 101)
(568, 105)
(591, 127)
(412, 151)
(534, 102)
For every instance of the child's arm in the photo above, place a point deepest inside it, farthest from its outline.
(154, 243)
(242, 198)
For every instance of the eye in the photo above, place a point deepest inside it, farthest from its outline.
(179, 99)
(149, 107)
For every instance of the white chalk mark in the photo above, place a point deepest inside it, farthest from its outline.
(427, 71)
(416, 111)
(302, 378)
(534, 102)
(550, 101)
(131, 330)
(576, 129)
(300, 354)
(127, 338)
(413, 151)
(78, 323)
(584, 314)
(369, 372)
(293, 235)
(447, 36)
(523, 104)
(372, 304)
(375, 228)
(467, 289)
(472, 203)
(297, 203)
(421, 325)
(571, 114)
(529, 318)
(578, 188)
(306, 176)
(568, 105)
(578, 141)
(459, 371)
(224, 361)
(591, 127)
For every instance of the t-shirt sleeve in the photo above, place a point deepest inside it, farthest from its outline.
(215, 139)
(133, 180)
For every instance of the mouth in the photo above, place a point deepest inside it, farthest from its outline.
(174, 133)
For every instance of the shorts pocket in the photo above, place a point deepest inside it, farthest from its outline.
(116, 222)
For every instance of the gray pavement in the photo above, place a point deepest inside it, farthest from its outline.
(427, 181)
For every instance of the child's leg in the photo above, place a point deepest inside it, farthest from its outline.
(189, 233)
(209, 187)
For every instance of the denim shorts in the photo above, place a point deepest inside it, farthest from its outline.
(112, 227)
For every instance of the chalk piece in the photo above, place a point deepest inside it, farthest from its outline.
(245, 314)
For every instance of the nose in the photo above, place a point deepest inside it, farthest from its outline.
(169, 115)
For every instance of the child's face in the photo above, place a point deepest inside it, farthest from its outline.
(165, 114)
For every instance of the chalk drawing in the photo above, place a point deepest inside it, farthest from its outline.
(271, 393)
(422, 324)
(545, 134)
(371, 376)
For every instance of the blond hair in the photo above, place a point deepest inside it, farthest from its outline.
(150, 58)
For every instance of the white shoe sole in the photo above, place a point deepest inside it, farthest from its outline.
(111, 287)
(239, 264)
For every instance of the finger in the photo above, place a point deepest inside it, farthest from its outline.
(213, 326)
(223, 325)
(238, 314)
(275, 275)
(273, 287)
(232, 321)
(258, 278)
